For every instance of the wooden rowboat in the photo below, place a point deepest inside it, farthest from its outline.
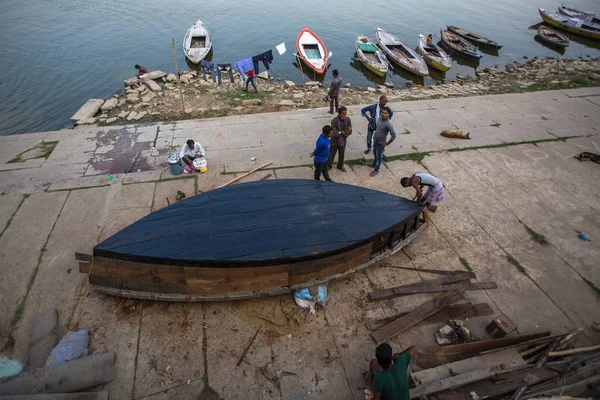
(197, 42)
(474, 38)
(551, 36)
(573, 25)
(371, 57)
(312, 51)
(579, 14)
(252, 239)
(401, 54)
(460, 46)
(433, 55)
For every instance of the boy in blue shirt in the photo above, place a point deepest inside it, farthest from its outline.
(388, 373)
(321, 154)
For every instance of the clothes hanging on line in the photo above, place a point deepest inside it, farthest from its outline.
(281, 48)
(243, 66)
(266, 58)
(205, 65)
(225, 68)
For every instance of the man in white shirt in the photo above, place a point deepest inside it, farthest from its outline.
(191, 151)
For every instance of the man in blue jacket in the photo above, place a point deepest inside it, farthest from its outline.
(373, 117)
(321, 154)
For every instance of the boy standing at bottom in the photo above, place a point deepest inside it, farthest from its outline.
(388, 373)
(321, 154)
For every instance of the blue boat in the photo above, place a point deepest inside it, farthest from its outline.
(253, 239)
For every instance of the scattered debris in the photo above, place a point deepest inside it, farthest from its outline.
(501, 326)
(453, 333)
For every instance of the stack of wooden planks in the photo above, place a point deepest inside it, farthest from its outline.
(516, 367)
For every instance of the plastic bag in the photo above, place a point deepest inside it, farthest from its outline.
(305, 299)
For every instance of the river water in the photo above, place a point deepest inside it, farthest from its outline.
(59, 53)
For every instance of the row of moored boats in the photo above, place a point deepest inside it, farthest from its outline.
(568, 19)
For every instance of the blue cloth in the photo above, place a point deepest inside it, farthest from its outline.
(210, 67)
(322, 150)
(72, 346)
(372, 110)
(266, 58)
(244, 66)
(377, 156)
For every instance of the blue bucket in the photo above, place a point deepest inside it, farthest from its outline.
(175, 165)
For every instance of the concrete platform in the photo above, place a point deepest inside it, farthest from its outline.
(68, 203)
(88, 110)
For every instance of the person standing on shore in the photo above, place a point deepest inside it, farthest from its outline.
(321, 154)
(142, 71)
(373, 116)
(342, 128)
(384, 126)
(250, 79)
(334, 91)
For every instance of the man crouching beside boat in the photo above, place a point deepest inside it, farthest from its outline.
(435, 189)
(189, 152)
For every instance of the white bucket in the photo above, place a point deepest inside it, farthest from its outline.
(200, 164)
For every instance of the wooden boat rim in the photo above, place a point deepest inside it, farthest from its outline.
(380, 56)
(302, 55)
(187, 39)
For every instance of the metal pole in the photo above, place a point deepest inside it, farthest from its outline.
(177, 74)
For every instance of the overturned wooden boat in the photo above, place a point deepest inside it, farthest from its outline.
(580, 14)
(474, 37)
(460, 46)
(197, 42)
(401, 54)
(371, 57)
(552, 37)
(253, 239)
(573, 25)
(433, 55)
(312, 51)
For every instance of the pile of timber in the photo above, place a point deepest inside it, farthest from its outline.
(439, 309)
(515, 367)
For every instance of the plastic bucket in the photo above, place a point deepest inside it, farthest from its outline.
(200, 164)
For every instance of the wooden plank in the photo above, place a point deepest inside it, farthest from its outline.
(136, 271)
(453, 311)
(83, 257)
(315, 270)
(415, 316)
(430, 271)
(484, 345)
(572, 389)
(511, 381)
(84, 267)
(444, 280)
(580, 350)
(207, 281)
(508, 358)
(137, 286)
(461, 380)
(525, 345)
(568, 379)
(405, 290)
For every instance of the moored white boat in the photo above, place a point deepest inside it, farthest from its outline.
(401, 54)
(311, 49)
(433, 55)
(197, 42)
(371, 57)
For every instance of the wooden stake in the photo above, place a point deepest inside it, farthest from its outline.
(580, 350)
(244, 175)
(177, 74)
(247, 348)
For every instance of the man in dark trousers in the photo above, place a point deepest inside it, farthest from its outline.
(388, 373)
(321, 154)
(373, 116)
(334, 91)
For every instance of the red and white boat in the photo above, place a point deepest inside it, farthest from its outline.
(311, 49)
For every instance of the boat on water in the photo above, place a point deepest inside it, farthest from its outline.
(474, 37)
(371, 57)
(401, 54)
(433, 55)
(569, 24)
(552, 37)
(197, 42)
(575, 13)
(460, 46)
(312, 51)
(252, 239)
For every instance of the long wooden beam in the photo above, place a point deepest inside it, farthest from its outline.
(484, 345)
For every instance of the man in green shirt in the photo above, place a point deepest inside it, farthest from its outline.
(389, 373)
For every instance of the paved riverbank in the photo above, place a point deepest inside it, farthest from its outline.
(500, 198)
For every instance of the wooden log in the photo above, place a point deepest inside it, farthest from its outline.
(244, 175)
(460, 380)
(415, 316)
(387, 294)
(568, 379)
(572, 389)
(453, 311)
(580, 350)
(483, 345)
(507, 358)
(430, 271)
(532, 342)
